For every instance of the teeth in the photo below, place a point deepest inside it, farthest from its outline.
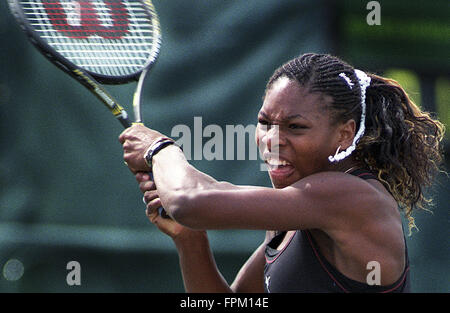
(275, 162)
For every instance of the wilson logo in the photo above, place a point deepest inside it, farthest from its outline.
(85, 18)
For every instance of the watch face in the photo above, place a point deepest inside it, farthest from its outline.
(148, 160)
(148, 157)
(155, 148)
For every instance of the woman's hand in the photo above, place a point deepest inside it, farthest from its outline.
(135, 141)
(168, 226)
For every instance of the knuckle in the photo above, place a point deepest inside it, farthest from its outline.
(127, 157)
(153, 204)
(150, 186)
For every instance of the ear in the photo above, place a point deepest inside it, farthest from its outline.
(346, 133)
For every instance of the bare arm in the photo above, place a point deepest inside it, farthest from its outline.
(318, 201)
(197, 264)
(251, 276)
(200, 273)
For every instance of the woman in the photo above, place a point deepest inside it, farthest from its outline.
(351, 149)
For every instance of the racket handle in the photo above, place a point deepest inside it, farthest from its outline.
(124, 121)
(161, 210)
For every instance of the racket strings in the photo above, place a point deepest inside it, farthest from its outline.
(106, 37)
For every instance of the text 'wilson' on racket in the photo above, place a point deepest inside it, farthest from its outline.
(95, 41)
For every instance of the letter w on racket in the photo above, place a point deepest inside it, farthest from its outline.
(85, 18)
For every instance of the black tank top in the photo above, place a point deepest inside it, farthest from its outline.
(300, 267)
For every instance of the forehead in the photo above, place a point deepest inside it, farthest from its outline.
(286, 97)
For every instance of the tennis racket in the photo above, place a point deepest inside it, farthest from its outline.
(96, 42)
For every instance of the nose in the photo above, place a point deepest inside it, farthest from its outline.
(271, 138)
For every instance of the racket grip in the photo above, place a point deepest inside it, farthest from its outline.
(124, 121)
(161, 210)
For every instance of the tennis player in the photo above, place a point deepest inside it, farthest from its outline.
(354, 154)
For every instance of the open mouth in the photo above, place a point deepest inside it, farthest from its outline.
(279, 168)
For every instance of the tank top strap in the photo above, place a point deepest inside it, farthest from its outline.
(362, 173)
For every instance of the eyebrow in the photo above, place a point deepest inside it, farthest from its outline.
(287, 118)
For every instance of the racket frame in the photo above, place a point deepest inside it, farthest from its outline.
(92, 80)
(89, 79)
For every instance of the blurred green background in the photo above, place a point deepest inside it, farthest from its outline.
(66, 195)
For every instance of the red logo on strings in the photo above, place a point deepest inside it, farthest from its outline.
(81, 19)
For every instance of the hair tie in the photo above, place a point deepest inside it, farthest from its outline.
(347, 80)
(364, 82)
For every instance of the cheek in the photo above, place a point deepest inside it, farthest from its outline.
(312, 152)
(259, 137)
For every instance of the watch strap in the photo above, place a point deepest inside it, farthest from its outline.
(155, 147)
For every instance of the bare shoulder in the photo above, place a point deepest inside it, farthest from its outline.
(335, 181)
(365, 226)
(343, 187)
(350, 200)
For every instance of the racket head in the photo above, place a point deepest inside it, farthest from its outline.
(111, 40)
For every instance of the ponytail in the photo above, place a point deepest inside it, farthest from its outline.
(402, 144)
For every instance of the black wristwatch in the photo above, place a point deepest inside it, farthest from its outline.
(155, 147)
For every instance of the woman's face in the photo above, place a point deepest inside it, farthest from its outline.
(301, 123)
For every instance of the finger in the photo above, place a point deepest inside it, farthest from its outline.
(130, 158)
(123, 135)
(142, 177)
(132, 170)
(150, 198)
(147, 186)
(126, 145)
(127, 156)
(152, 210)
(121, 139)
(138, 177)
(152, 215)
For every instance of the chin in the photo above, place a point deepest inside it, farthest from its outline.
(281, 183)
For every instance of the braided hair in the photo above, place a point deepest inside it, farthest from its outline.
(401, 144)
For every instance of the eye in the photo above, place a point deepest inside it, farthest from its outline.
(296, 126)
(263, 121)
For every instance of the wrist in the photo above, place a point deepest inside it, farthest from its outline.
(156, 147)
(189, 238)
